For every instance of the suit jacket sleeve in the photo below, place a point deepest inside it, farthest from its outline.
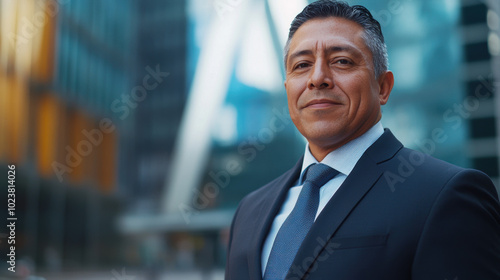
(229, 265)
(461, 237)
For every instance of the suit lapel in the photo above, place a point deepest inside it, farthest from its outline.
(362, 178)
(269, 207)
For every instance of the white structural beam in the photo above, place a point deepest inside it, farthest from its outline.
(209, 220)
(205, 99)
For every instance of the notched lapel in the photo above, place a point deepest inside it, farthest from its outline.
(268, 208)
(362, 178)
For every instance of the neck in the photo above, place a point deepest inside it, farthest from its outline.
(320, 150)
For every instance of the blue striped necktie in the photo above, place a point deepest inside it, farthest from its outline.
(298, 223)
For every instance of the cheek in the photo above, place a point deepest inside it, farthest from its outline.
(292, 99)
(295, 114)
(291, 103)
(293, 92)
(361, 94)
(292, 107)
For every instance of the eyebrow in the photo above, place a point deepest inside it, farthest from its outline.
(332, 49)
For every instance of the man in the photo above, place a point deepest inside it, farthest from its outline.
(358, 205)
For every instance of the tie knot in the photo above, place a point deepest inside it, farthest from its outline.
(318, 174)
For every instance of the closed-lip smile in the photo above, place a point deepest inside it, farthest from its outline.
(320, 103)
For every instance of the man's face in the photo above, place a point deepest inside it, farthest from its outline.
(333, 94)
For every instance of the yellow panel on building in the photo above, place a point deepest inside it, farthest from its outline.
(48, 123)
(17, 120)
(3, 115)
(79, 149)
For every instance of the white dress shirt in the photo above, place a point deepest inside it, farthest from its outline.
(343, 160)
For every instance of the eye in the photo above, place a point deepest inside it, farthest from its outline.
(343, 62)
(301, 65)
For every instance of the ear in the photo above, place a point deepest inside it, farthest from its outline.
(386, 82)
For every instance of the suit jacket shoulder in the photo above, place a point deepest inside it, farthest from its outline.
(400, 214)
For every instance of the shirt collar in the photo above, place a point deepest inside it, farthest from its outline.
(345, 158)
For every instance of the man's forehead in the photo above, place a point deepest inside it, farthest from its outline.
(329, 34)
(328, 29)
(336, 44)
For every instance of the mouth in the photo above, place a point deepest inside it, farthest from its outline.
(321, 103)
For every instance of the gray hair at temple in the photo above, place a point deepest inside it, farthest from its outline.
(373, 36)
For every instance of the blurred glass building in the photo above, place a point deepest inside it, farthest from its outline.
(136, 127)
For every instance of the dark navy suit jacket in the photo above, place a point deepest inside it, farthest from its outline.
(399, 215)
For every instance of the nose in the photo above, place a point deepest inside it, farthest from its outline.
(321, 76)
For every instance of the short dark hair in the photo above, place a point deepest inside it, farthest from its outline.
(373, 36)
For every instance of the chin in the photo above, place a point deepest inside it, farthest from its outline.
(323, 134)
